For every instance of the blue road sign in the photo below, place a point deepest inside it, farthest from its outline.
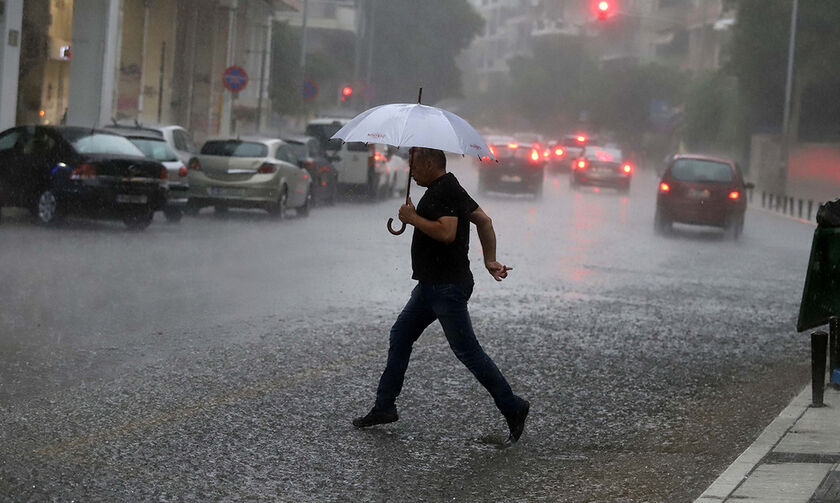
(310, 90)
(235, 79)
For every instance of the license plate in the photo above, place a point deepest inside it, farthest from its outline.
(699, 194)
(132, 198)
(511, 179)
(223, 192)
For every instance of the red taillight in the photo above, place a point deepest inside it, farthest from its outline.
(581, 139)
(513, 146)
(378, 157)
(627, 168)
(194, 165)
(182, 172)
(581, 164)
(559, 152)
(535, 155)
(664, 187)
(164, 173)
(492, 150)
(547, 154)
(734, 195)
(83, 172)
(267, 168)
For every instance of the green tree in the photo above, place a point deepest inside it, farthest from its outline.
(759, 60)
(550, 88)
(415, 45)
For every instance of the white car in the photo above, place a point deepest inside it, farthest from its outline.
(178, 138)
(362, 168)
(249, 173)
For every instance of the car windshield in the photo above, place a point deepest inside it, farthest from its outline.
(697, 170)
(298, 148)
(323, 132)
(603, 154)
(234, 148)
(158, 150)
(509, 151)
(100, 143)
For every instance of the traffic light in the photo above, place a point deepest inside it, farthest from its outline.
(346, 92)
(604, 9)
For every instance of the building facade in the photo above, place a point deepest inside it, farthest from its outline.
(91, 62)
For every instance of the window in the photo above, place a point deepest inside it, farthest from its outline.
(180, 141)
(284, 153)
(8, 140)
(158, 150)
(234, 148)
(97, 143)
(697, 170)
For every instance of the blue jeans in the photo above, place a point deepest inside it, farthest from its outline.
(448, 304)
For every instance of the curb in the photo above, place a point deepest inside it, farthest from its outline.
(731, 479)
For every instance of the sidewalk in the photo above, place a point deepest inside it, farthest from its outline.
(795, 459)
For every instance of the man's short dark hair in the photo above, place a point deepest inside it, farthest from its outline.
(435, 156)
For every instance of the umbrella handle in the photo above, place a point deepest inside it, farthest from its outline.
(391, 229)
(407, 195)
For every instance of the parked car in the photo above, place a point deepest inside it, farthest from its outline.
(701, 190)
(155, 147)
(249, 173)
(61, 170)
(601, 167)
(178, 138)
(313, 158)
(362, 168)
(520, 168)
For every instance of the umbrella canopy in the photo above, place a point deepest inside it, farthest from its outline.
(415, 125)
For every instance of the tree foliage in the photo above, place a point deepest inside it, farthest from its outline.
(416, 43)
(759, 56)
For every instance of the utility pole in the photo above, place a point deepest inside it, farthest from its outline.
(369, 75)
(784, 151)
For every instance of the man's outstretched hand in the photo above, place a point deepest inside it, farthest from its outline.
(497, 270)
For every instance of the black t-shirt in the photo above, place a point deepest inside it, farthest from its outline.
(434, 261)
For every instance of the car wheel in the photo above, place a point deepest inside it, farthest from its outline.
(278, 209)
(661, 223)
(333, 193)
(46, 208)
(139, 220)
(735, 227)
(303, 211)
(173, 214)
(192, 209)
(373, 185)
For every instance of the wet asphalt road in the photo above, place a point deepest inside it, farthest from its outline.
(222, 358)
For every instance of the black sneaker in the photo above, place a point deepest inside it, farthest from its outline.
(376, 416)
(516, 422)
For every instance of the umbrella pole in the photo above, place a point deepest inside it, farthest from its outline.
(407, 187)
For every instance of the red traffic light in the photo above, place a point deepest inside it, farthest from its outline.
(346, 91)
(603, 9)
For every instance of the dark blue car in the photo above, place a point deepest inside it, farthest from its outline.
(62, 170)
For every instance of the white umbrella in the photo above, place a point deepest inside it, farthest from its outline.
(415, 125)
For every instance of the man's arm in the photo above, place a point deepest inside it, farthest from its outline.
(487, 236)
(442, 229)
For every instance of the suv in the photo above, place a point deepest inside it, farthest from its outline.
(362, 168)
(520, 168)
(178, 138)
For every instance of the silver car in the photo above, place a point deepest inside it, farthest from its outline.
(249, 173)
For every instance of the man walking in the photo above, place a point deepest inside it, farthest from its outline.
(440, 265)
